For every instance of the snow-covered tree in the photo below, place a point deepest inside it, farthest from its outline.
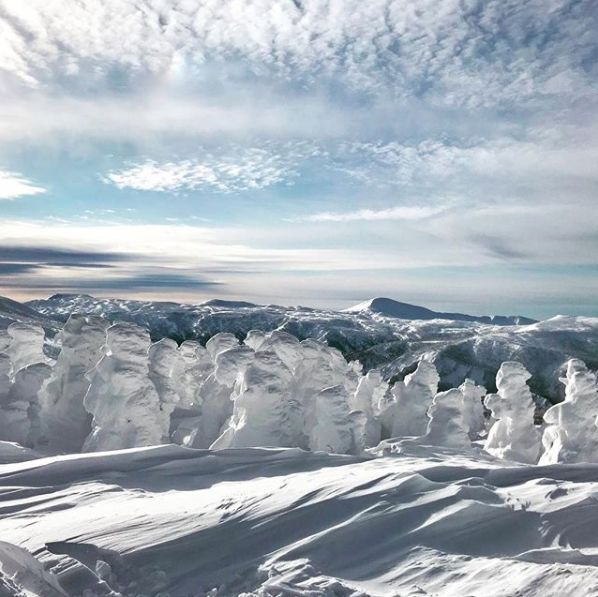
(446, 425)
(261, 410)
(26, 345)
(163, 357)
(513, 436)
(572, 432)
(121, 397)
(65, 422)
(413, 397)
(332, 429)
(220, 342)
(370, 391)
(473, 409)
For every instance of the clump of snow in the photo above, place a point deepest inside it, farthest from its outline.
(473, 409)
(65, 421)
(572, 432)
(513, 436)
(447, 425)
(220, 342)
(413, 396)
(121, 397)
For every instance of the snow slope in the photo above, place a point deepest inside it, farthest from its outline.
(265, 522)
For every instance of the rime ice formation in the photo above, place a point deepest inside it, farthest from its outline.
(473, 409)
(20, 420)
(366, 399)
(26, 345)
(24, 370)
(513, 436)
(65, 421)
(413, 397)
(286, 347)
(220, 342)
(163, 356)
(332, 427)
(190, 371)
(254, 339)
(122, 399)
(447, 425)
(572, 432)
(262, 405)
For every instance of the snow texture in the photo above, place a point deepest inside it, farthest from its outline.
(572, 432)
(513, 436)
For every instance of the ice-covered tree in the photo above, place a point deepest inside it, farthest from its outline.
(370, 391)
(191, 369)
(332, 425)
(220, 342)
(572, 432)
(163, 357)
(447, 425)
(26, 345)
(513, 436)
(261, 410)
(121, 397)
(413, 396)
(65, 422)
(254, 339)
(473, 409)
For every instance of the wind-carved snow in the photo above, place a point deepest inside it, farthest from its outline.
(572, 432)
(514, 435)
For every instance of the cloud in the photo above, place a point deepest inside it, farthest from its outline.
(409, 213)
(56, 256)
(466, 53)
(14, 185)
(239, 169)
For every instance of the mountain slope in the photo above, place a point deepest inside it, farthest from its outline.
(391, 308)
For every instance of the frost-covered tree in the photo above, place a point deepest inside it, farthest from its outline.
(572, 432)
(254, 339)
(65, 422)
(370, 391)
(20, 410)
(26, 345)
(261, 410)
(121, 397)
(191, 369)
(513, 436)
(163, 357)
(332, 428)
(446, 425)
(413, 396)
(27, 369)
(220, 342)
(473, 409)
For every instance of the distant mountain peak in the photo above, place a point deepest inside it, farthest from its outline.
(390, 308)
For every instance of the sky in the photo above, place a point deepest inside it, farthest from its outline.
(313, 152)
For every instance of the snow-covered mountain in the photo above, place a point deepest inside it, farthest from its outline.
(391, 308)
(459, 348)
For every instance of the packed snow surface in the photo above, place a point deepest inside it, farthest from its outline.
(415, 521)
